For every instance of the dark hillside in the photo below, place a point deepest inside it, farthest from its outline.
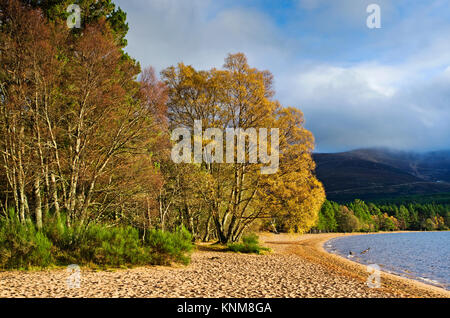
(377, 173)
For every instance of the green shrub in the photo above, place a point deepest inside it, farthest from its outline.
(101, 245)
(104, 245)
(167, 247)
(62, 236)
(22, 246)
(113, 246)
(250, 244)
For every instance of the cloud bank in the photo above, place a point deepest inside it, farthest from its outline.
(357, 87)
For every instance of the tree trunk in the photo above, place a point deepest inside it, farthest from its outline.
(38, 202)
(55, 196)
(206, 236)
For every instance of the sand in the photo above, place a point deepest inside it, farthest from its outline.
(297, 267)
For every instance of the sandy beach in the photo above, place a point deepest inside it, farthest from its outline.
(297, 267)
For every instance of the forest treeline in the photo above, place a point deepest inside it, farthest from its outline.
(359, 216)
(85, 142)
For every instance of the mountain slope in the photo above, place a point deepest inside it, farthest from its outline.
(375, 173)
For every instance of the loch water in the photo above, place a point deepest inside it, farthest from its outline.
(423, 256)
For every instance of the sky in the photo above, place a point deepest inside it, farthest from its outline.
(357, 87)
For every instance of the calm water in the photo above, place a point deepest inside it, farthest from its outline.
(424, 256)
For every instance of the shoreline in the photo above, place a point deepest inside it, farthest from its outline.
(312, 249)
(298, 267)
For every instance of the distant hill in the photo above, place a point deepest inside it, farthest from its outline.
(378, 173)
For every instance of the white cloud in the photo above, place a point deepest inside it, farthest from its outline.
(372, 105)
(357, 87)
(164, 32)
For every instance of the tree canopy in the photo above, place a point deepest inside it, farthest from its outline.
(87, 133)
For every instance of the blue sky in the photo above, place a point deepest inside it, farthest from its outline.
(358, 87)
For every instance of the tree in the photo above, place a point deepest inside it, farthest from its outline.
(346, 220)
(240, 97)
(92, 12)
(327, 220)
(28, 76)
(361, 210)
(428, 225)
(403, 217)
(388, 223)
(293, 194)
(80, 130)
